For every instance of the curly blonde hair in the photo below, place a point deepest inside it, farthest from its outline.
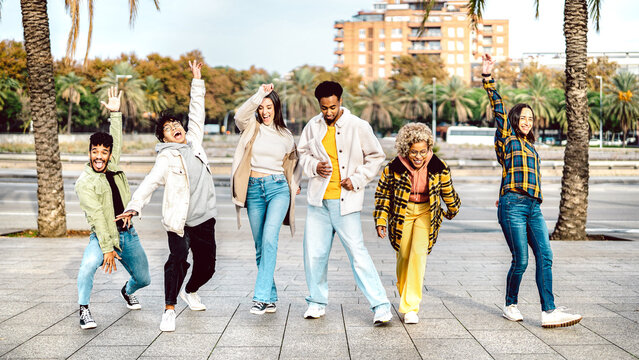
(410, 134)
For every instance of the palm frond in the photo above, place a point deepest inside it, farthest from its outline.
(475, 12)
(595, 12)
(428, 6)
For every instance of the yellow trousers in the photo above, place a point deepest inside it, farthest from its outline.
(411, 258)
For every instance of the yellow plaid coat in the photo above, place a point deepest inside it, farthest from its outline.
(393, 191)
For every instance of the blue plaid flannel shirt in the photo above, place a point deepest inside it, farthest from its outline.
(518, 158)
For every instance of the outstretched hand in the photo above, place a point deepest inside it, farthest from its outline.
(126, 217)
(114, 99)
(487, 64)
(196, 69)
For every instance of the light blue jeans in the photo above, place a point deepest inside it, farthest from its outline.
(133, 258)
(267, 202)
(322, 222)
(523, 225)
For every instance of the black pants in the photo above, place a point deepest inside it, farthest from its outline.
(201, 240)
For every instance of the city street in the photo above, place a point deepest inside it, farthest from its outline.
(460, 313)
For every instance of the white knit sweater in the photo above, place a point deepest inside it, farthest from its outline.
(269, 149)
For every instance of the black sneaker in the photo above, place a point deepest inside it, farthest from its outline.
(86, 320)
(131, 301)
(271, 308)
(258, 308)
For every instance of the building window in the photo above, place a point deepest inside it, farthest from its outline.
(500, 28)
(362, 59)
(488, 50)
(500, 39)
(460, 58)
(451, 32)
(500, 51)
(451, 59)
(396, 46)
(381, 72)
(434, 45)
(382, 34)
(460, 32)
(460, 46)
(362, 46)
(451, 45)
(382, 46)
(362, 33)
(382, 60)
(460, 72)
(361, 71)
(396, 33)
(451, 71)
(488, 40)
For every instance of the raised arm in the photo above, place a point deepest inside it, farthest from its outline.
(246, 112)
(196, 107)
(115, 120)
(504, 130)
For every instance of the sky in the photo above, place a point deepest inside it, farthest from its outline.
(279, 35)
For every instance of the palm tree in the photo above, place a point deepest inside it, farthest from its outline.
(154, 101)
(378, 102)
(593, 119)
(415, 99)
(37, 44)
(538, 96)
(7, 85)
(573, 207)
(455, 99)
(623, 102)
(132, 94)
(71, 90)
(300, 95)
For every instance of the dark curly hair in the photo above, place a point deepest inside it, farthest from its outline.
(166, 118)
(328, 89)
(101, 138)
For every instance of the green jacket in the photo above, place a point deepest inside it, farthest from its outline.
(94, 192)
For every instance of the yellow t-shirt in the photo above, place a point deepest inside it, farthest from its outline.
(333, 191)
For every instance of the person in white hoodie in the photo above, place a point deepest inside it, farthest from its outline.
(340, 154)
(189, 203)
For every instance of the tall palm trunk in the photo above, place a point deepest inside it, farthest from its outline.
(51, 212)
(573, 208)
(70, 111)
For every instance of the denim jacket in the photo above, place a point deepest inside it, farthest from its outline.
(94, 192)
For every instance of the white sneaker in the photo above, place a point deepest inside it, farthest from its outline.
(559, 318)
(512, 313)
(382, 315)
(314, 311)
(168, 321)
(411, 317)
(193, 300)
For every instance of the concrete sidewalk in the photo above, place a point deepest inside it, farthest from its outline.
(460, 313)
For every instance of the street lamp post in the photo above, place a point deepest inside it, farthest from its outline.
(434, 110)
(600, 110)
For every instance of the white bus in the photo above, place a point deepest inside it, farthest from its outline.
(470, 135)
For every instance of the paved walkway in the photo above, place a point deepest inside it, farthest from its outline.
(460, 314)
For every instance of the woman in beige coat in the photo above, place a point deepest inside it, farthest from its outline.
(265, 180)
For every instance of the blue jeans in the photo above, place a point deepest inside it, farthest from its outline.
(133, 259)
(523, 224)
(322, 222)
(267, 202)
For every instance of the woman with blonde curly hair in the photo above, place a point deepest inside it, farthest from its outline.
(408, 206)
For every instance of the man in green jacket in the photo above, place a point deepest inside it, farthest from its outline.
(103, 190)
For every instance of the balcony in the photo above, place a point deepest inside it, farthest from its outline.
(338, 51)
(339, 25)
(422, 50)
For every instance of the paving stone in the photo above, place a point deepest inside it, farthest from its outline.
(378, 337)
(511, 342)
(611, 325)
(314, 345)
(245, 353)
(593, 352)
(112, 352)
(47, 347)
(554, 356)
(182, 345)
(252, 336)
(450, 349)
(572, 335)
(437, 329)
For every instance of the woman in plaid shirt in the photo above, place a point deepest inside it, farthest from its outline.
(519, 210)
(407, 204)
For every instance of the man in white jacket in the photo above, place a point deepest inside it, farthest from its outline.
(189, 203)
(340, 154)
